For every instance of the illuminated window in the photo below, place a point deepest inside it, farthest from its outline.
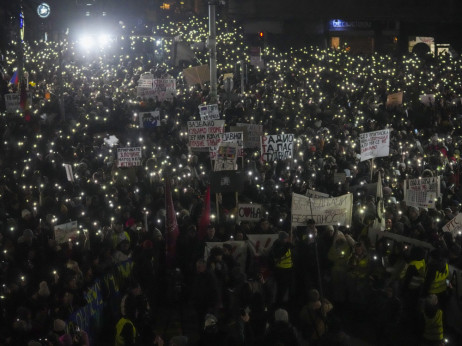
(335, 42)
(165, 6)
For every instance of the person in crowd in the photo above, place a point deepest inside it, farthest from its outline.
(281, 332)
(281, 255)
(432, 315)
(313, 317)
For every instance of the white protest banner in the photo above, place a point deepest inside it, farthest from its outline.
(162, 90)
(226, 157)
(316, 194)
(277, 147)
(12, 101)
(205, 133)
(236, 138)
(128, 157)
(454, 226)
(260, 244)
(252, 137)
(69, 173)
(238, 251)
(209, 112)
(65, 231)
(324, 211)
(249, 212)
(422, 192)
(375, 144)
(149, 119)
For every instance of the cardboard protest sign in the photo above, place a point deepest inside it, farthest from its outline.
(69, 172)
(162, 89)
(65, 231)
(324, 211)
(260, 244)
(252, 134)
(238, 250)
(205, 133)
(12, 101)
(375, 144)
(394, 100)
(235, 138)
(226, 157)
(145, 83)
(277, 147)
(209, 112)
(422, 192)
(226, 181)
(316, 194)
(129, 157)
(249, 212)
(197, 75)
(149, 119)
(454, 226)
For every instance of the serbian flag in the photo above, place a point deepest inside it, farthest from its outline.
(15, 78)
(205, 217)
(171, 225)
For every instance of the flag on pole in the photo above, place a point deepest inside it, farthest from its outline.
(205, 217)
(171, 224)
(14, 79)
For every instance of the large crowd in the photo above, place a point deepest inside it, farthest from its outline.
(314, 280)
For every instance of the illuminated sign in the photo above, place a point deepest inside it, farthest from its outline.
(338, 25)
(43, 10)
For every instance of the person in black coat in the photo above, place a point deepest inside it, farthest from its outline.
(281, 332)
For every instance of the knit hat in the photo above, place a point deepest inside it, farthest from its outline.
(43, 291)
(281, 315)
(283, 235)
(210, 320)
(59, 325)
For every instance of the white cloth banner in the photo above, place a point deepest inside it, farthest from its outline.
(205, 133)
(316, 194)
(375, 144)
(277, 147)
(249, 212)
(128, 157)
(324, 211)
(238, 250)
(454, 226)
(260, 244)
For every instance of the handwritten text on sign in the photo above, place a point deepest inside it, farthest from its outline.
(128, 157)
(375, 144)
(250, 212)
(236, 138)
(277, 147)
(324, 211)
(205, 133)
(209, 112)
(454, 226)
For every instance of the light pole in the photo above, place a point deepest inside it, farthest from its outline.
(212, 46)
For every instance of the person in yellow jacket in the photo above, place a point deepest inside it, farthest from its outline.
(282, 256)
(432, 322)
(436, 277)
(126, 333)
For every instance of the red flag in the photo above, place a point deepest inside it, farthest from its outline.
(205, 217)
(23, 97)
(171, 225)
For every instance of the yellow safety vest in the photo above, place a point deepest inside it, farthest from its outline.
(285, 262)
(119, 340)
(418, 280)
(434, 327)
(438, 285)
